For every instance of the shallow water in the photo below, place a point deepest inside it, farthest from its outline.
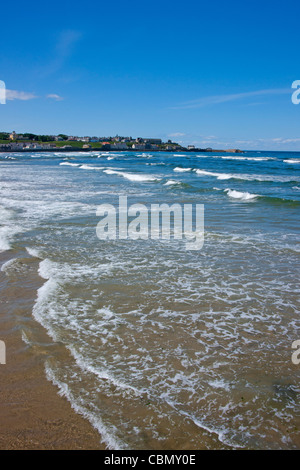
(171, 348)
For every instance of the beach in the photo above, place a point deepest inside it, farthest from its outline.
(32, 414)
(145, 343)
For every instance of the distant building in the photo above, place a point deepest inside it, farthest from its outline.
(153, 141)
(119, 146)
(106, 146)
(13, 136)
(139, 147)
(191, 147)
(29, 146)
(4, 147)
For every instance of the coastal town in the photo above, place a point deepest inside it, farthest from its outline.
(27, 142)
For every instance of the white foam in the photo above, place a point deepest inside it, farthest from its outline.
(255, 159)
(89, 167)
(246, 177)
(8, 264)
(292, 160)
(219, 383)
(49, 269)
(6, 235)
(182, 170)
(8, 229)
(219, 176)
(70, 164)
(33, 252)
(245, 196)
(132, 176)
(105, 374)
(171, 183)
(106, 433)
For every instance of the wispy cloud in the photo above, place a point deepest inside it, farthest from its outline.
(176, 134)
(281, 140)
(218, 99)
(19, 95)
(12, 95)
(222, 142)
(55, 97)
(63, 49)
(67, 39)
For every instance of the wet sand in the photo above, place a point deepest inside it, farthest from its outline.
(32, 414)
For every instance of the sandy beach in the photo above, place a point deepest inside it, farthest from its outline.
(32, 414)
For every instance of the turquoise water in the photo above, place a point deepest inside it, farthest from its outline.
(170, 348)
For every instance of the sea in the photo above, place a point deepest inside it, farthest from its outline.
(157, 345)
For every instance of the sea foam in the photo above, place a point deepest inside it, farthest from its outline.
(292, 160)
(69, 164)
(132, 176)
(182, 170)
(245, 196)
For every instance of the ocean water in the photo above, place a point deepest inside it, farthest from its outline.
(161, 347)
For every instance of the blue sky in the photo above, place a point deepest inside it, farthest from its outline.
(215, 74)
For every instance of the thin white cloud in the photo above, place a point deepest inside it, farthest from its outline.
(221, 142)
(280, 140)
(55, 97)
(12, 95)
(19, 95)
(217, 99)
(67, 39)
(64, 48)
(176, 134)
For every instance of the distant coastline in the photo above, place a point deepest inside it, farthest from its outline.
(11, 149)
(28, 142)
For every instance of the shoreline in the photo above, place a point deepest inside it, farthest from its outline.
(33, 415)
(99, 149)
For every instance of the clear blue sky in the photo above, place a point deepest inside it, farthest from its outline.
(215, 73)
